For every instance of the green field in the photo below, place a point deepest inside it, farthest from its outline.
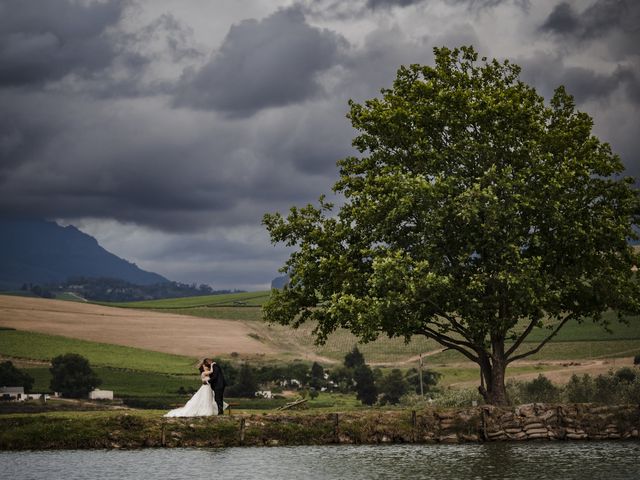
(147, 374)
(574, 341)
(38, 346)
(126, 382)
(229, 299)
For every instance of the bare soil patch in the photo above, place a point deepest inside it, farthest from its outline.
(162, 332)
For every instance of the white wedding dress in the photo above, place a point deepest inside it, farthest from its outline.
(202, 404)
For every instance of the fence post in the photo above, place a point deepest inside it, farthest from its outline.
(413, 426)
(242, 430)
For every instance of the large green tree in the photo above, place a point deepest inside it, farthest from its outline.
(72, 376)
(474, 214)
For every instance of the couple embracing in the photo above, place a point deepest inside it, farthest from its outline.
(208, 400)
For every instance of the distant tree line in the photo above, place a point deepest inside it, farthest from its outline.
(370, 386)
(374, 386)
(116, 290)
(37, 290)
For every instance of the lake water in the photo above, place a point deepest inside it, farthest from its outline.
(513, 461)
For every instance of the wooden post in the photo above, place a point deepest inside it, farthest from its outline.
(336, 428)
(163, 440)
(413, 426)
(242, 430)
(420, 375)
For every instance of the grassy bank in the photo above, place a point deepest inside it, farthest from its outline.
(135, 429)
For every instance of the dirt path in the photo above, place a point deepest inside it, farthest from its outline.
(163, 332)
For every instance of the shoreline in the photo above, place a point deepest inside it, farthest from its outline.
(133, 430)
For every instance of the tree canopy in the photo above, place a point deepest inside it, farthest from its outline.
(72, 376)
(473, 214)
(354, 358)
(10, 376)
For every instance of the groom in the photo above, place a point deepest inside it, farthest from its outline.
(217, 383)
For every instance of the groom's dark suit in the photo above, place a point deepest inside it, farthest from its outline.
(217, 383)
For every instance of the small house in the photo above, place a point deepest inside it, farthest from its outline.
(101, 394)
(12, 393)
(264, 394)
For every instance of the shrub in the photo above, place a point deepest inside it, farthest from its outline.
(607, 389)
(626, 375)
(620, 387)
(514, 392)
(540, 390)
(580, 389)
(457, 398)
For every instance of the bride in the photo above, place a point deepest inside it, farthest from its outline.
(202, 403)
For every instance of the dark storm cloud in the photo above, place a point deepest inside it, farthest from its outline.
(618, 19)
(46, 40)
(374, 4)
(611, 98)
(337, 9)
(481, 4)
(266, 63)
(176, 39)
(563, 19)
(593, 22)
(22, 134)
(179, 172)
(547, 72)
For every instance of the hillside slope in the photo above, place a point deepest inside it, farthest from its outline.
(157, 331)
(40, 252)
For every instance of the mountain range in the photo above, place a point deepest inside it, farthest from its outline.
(42, 252)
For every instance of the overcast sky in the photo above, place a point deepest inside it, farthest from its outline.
(167, 128)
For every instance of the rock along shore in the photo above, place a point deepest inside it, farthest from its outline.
(478, 424)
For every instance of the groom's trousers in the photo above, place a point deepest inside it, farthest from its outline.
(219, 394)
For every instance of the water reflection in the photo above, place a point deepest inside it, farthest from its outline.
(525, 461)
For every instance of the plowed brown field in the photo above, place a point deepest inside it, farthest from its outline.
(163, 332)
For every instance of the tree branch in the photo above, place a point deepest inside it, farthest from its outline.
(520, 339)
(450, 343)
(456, 325)
(543, 343)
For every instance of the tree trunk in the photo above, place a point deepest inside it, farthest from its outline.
(497, 393)
(492, 369)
